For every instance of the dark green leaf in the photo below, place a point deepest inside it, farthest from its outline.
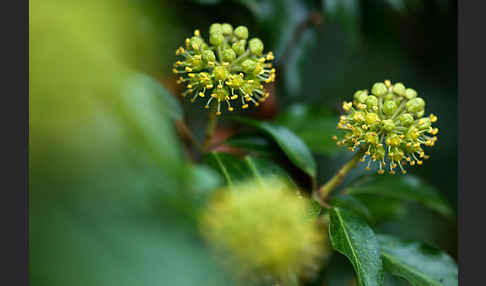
(402, 187)
(397, 5)
(297, 61)
(351, 236)
(345, 12)
(383, 209)
(315, 125)
(419, 263)
(353, 204)
(253, 143)
(295, 149)
(279, 20)
(236, 170)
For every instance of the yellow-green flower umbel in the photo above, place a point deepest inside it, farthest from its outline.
(264, 230)
(230, 67)
(388, 125)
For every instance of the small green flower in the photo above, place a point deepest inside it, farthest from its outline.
(264, 230)
(228, 64)
(388, 125)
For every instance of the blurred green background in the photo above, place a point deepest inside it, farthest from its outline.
(113, 197)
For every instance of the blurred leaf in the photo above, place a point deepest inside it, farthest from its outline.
(339, 272)
(382, 209)
(171, 106)
(73, 245)
(345, 12)
(297, 61)
(407, 187)
(254, 143)
(203, 181)
(314, 124)
(291, 145)
(351, 236)
(316, 209)
(207, 2)
(279, 20)
(237, 170)
(419, 263)
(397, 5)
(353, 204)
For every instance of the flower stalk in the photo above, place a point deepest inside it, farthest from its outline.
(336, 180)
(211, 127)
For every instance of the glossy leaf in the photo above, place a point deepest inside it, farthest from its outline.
(407, 187)
(316, 125)
(351, 236)
(253, 143)
(235, 170)
(144, 83)
(419, 263)
(295, 149)
(353, 204)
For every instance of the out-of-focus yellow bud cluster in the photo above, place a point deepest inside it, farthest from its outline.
(226, 69)
(264, 231)
(389, 125)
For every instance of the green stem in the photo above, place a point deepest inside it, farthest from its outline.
(212, 122)
(335, 181)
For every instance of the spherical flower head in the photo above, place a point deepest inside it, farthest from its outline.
(228, 62)
(388, 126)
(263, 229)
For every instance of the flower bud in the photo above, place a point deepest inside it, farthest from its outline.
(406, 119)
(227, 29)
(256, 46)
(410, 93)
(360, 96)
(248, 66)
(216, 38)
(241, 32)
(372, 118)
(208, 56)
(239, 47)
(389, 96)
(371, 101)
(399, 88)
(389, 107)
(393, 140)
(220, 73)
(215, 28)
(229, 55)
(371, 138)
(388, 125)
(424, 123)
(379, 89)
(196, 43)
(415, 105)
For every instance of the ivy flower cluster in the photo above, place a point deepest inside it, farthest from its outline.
(263, 230)
(230, 67)
(388, 125)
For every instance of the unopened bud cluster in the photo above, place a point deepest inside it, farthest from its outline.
(388, 125)
(230, 67)
(264, 231)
